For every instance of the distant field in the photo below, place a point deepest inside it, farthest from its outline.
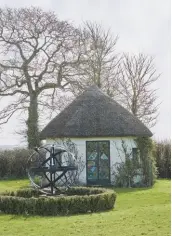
(137, 212)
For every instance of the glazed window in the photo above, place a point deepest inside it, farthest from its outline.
(98, 161)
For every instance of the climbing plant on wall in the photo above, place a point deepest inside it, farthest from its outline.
(140, 166)
(146, 148)
(125, 171)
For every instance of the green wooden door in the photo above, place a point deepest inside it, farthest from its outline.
(98, 162)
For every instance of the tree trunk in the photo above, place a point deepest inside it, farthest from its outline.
(32, 123)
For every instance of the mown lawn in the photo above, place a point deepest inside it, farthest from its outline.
(137, 212)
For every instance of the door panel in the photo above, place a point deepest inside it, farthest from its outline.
(92, 170)
(104, 160)
(92, 161)
(98, 162)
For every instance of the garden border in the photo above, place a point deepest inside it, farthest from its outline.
(79, 200)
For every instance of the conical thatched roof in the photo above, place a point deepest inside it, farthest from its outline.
(93, 114)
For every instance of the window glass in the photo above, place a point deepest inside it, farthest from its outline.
(98, 160)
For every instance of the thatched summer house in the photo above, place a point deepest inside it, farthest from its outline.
(103, 131)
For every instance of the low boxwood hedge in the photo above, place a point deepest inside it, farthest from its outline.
(77, 200)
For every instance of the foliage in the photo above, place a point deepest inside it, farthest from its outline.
(25, 192)
(85, 200)
(129, 167)
(147, 155)
(32, 192)
(124, 173)
(163, 158)
(13, 163)
(141, 166)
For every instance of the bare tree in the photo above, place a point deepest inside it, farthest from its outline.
(38, 53)
(41, 55)
(101, 65)
(127, 79)
(136, 87)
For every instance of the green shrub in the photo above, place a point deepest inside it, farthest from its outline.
(26, 193)
(13, 163)
(146, 148)
(84, 191)
(29, 201)
(163, 158)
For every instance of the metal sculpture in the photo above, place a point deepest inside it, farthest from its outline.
(50, 167)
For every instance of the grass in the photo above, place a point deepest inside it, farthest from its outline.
(137, 212)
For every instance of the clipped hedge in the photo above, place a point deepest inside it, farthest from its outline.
(78, 200)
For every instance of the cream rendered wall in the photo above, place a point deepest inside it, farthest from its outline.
(116, 151)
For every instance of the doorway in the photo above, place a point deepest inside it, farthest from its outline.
(98, 162)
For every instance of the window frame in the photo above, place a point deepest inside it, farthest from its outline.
(99, 181)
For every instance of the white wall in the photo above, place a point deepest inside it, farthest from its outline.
(116, 151)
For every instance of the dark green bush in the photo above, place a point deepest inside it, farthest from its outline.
(26, 193)
(28, 201)
(163, 158)
(13, 163)
(84, 191)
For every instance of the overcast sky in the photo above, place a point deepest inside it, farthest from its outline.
(142, 26)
